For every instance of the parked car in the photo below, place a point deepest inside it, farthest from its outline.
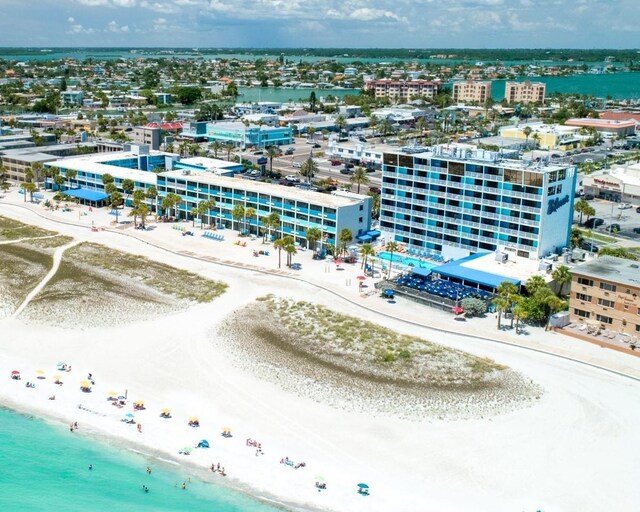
(335, 162)
(344, 170)
(613, 228)
(290, 151)
(624, 206)
(349, 166)
(297, 165)
(638, 209)
(593, 222)
(589, 246)
(636, 231)
(374, 190)
(588, 197)
(316, 145)
(258, 152)
(292, 177)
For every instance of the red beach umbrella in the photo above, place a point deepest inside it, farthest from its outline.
(361, 278)
(457, 310)
(15, 372)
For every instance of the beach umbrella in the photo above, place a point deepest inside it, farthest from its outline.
(112, 393)
(338, 261)
(165, 410)
(319, 478)
(129, 415)
(15, 372)
(361, 278)
(363, 486)
(40, 374)
(139, 402)
(61, 363)
(457, 310)
(57, 376)
(388, 292)
(121, 397)
(84, 383)
(193, 418)
(226, 429)
(186, 450)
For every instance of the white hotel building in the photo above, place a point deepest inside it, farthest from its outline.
(457, 200)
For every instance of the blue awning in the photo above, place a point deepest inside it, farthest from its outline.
(374, 233)
(364, 238)
(86, 194)
(469, 276)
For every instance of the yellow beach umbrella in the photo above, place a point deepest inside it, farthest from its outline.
(40, 373)
(138, 402)
(165, 410)
(193, 418)
(112, 393)
(226, 429)
(57, 376)
(84, 384)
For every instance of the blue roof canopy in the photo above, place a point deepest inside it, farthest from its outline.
(88, 195)
(364, 238)
(455, 270)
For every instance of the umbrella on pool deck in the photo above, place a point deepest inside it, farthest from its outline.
(363, 486)
(457, 310)
(338, 261)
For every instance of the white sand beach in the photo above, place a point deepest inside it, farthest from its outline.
(574, 448)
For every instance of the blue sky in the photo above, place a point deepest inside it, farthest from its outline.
(322, 23)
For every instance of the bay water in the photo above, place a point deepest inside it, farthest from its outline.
(44, 467)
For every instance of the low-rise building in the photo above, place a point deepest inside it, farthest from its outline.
(605, 292)
(402, 90)
(71, 98)
(471, 91)
(545, 136)
(524, 92)
(617, 127)
(255, 135)
(147, 135)
(620, 183)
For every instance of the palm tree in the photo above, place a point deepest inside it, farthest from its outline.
(344, 237)
(391, 247)
(313, 235)
(143, 211)
(508, 292)
(272, 152)
(562, 276)
(501, 304)
(271, 222)
(576, 238)
(341, 123)
(127, 186)
(238, 212)
(527, 132)
(289, 248)
(384, 126)
(365, 251)
(249, 213)
(580, 207)
(152, 193)
(71, 175)
(373, 121)
(115, 200)
(309, 168)
(279, 244)
(30, 188)
(359, 177)
(170, 201)
(310, 131)
(229, 147)
(59, 181)
(519, 312)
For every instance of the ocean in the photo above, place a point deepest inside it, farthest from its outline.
(44, 468)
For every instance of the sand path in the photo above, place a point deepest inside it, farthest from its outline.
(57, 258)
(6, 242)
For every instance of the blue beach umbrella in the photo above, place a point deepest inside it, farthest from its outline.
(129, 415)
(363, 486)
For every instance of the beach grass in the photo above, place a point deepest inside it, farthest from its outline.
(164, 278)
(13, 230)
(365, 348)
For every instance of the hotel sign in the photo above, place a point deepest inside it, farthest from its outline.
(556, 203)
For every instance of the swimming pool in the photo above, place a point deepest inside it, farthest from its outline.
(407, 261)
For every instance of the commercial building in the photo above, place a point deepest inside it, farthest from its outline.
(546, 136)
(147, 135)
(614, 127)
(456, 200)
(255, 135)
(298, 209)
(401, 90)
(620, 184)
(524, 92)
(471, 91)
(605, 292)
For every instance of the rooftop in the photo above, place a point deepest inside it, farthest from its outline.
(613, 269)
(260, 187)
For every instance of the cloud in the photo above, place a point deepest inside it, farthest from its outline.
(113, 26)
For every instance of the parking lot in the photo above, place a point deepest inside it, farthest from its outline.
(628, 220)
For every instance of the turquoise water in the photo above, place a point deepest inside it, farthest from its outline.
(45, 468)
(401, 259)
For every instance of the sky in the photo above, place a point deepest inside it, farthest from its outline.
(322, 23)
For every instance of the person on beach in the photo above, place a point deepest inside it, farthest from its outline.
(75, 425)
(140, 427)
(71, 427)
(52, 397)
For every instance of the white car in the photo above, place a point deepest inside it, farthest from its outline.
(297, 165)
(624, 206)
(292, 177)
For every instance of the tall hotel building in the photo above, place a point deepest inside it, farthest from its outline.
(457, 200)
(471, 90)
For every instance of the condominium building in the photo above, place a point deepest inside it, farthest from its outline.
(402, 90)
(524, 92)
(147, 135)
(458, 200)
(605, 292)
(471, 91)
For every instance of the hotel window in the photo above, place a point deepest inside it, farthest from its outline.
(581, 313)
(585, 282)
(608, 287)
(604, 319)
(583, 297)
(637, 328)
(606, 303)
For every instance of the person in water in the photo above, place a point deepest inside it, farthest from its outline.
(90, 467)
(145, 488)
